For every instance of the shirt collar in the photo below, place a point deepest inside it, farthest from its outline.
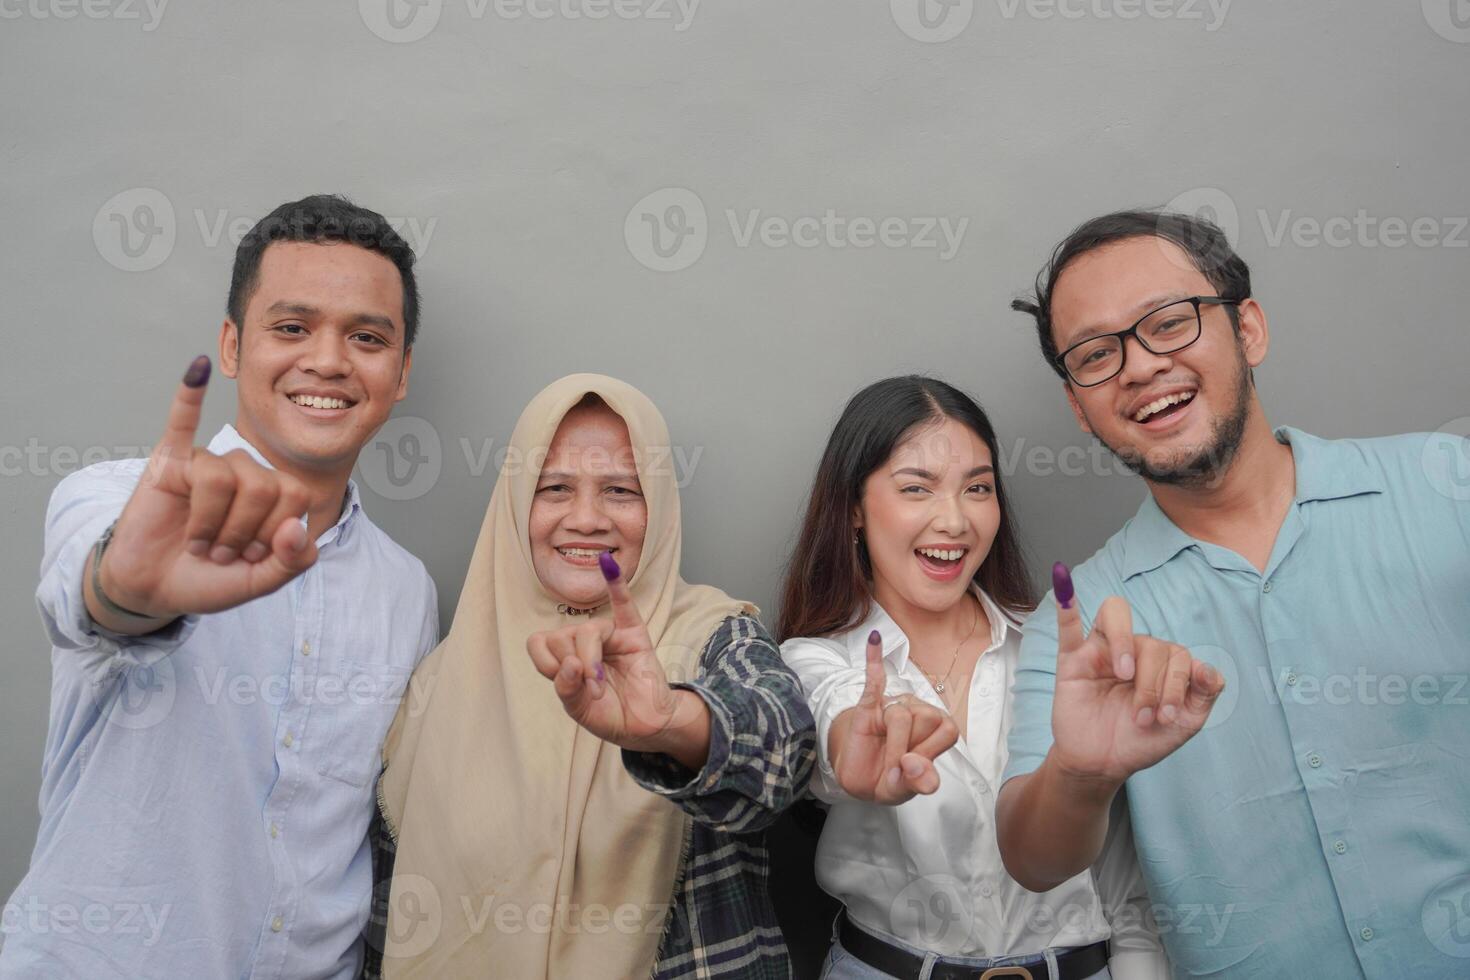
(228, 439)
(896, 644)
(1325, 470)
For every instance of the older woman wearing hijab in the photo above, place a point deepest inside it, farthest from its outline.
(577, 778)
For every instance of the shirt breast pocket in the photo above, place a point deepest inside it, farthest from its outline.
(349, 728)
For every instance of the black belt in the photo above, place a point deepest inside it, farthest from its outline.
(1078, 964)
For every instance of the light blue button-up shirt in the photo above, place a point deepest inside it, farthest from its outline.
(1319, 825)
(206, 790)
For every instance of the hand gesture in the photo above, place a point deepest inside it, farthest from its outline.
(884, 748)
(1123, 701)
(607, 675)
(203, 532)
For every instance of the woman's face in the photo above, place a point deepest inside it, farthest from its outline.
(588, 500)
(929, 514)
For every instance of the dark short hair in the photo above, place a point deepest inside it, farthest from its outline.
(1201, 239)
(323, 218)
(827, 586)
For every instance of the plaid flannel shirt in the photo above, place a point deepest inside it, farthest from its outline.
(762, 750)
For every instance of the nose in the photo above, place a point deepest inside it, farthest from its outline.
(1141, 365)
(587, 514)
(949, 517)
(326, 355)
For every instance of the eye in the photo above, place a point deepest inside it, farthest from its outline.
(915, 488)
(371, 339)
(984, 489)
(554, 488)
(291, 329)
(623, 492)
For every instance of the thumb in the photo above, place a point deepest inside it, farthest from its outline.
(291, 554)
(1069, 620)
(874, 679)
(184, 412)
(1205, 685)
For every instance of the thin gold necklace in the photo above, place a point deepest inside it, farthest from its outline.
(940, 684)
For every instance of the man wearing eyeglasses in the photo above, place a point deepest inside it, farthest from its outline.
(1270, 656)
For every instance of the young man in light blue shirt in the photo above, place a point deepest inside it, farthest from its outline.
(230, 637)
(1270, 655)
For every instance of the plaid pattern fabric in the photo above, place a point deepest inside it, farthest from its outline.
(761, 754)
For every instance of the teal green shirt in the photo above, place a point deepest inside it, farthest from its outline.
(1319, 825)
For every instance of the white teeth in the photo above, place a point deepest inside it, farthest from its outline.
(1155, 407)
(318, 401)
(943, 554)
(579, 552)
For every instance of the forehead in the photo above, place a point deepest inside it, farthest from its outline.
(1108, 288)
(937, 447)
(591, 438)
(326, 274)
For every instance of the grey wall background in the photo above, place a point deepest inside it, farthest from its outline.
(523, 142)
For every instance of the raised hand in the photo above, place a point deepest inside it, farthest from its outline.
(1123, 701)
(203, 532)
(883, 750)
(611, 682)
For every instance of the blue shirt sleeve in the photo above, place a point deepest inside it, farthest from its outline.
(81, 508)
(1030, 737)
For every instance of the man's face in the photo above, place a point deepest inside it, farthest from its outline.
(1193, 439)
(319, 361)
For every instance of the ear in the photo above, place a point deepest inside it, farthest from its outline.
(857, 517)
(1255, 335)
(1076, 408)
(229, 349)
(403, 377)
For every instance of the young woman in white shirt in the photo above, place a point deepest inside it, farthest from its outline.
(900, 614)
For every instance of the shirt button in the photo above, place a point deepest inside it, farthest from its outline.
(1266, 587)
(1314, 760)
(984, 688)
(306, 648)
(1340, 846)
(275, 831)
(289, 740)
(277, 925)
(1291, 678)
(986, 890)
(1366, 933)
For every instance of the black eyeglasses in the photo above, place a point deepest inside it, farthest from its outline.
(1166, 330)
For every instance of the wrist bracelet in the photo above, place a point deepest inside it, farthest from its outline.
(102, 597)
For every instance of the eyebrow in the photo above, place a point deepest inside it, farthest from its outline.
(356, 319)
(1147, 306)
(561, 475)
(926, 475)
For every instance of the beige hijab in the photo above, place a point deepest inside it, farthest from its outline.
(524, 848)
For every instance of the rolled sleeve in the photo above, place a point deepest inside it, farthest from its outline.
(761, 749)
(80, 509)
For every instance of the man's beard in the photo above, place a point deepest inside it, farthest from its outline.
(1197, 466)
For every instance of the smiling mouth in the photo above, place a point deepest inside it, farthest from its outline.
(1164, 408)
(941, 563)
(321, 402)
(583, 557)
